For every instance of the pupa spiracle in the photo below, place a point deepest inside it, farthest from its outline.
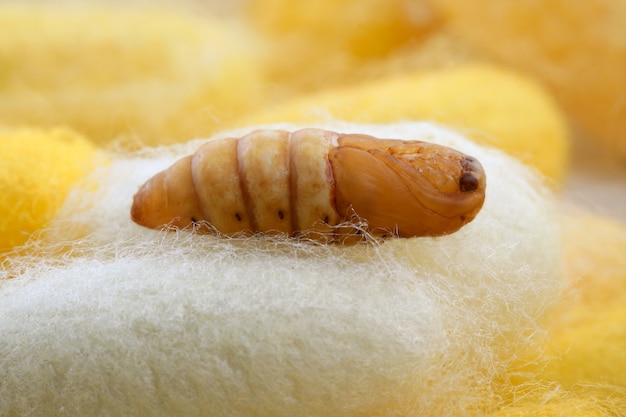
(305, 183)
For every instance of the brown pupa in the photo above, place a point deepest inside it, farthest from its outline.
(305, 183)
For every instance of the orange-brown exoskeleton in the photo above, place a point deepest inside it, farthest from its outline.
(305, 183)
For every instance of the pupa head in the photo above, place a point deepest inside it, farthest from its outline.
(410, 188)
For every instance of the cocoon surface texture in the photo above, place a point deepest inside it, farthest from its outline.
(131, 321)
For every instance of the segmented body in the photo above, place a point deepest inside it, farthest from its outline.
(308, 181)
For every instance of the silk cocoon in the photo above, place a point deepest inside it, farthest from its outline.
(104, 317)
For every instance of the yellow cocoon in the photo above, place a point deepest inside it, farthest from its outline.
(588, 340)
(143, 75)
(369, 28)
(315, 44)
(135, 321)
(580, 368)
(39, 167)
(577, 48)
(493, 106)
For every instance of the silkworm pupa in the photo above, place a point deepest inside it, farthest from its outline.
(306, 182)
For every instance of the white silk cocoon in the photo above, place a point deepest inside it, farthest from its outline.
(106, 318)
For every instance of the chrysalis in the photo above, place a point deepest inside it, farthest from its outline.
(305, 183)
